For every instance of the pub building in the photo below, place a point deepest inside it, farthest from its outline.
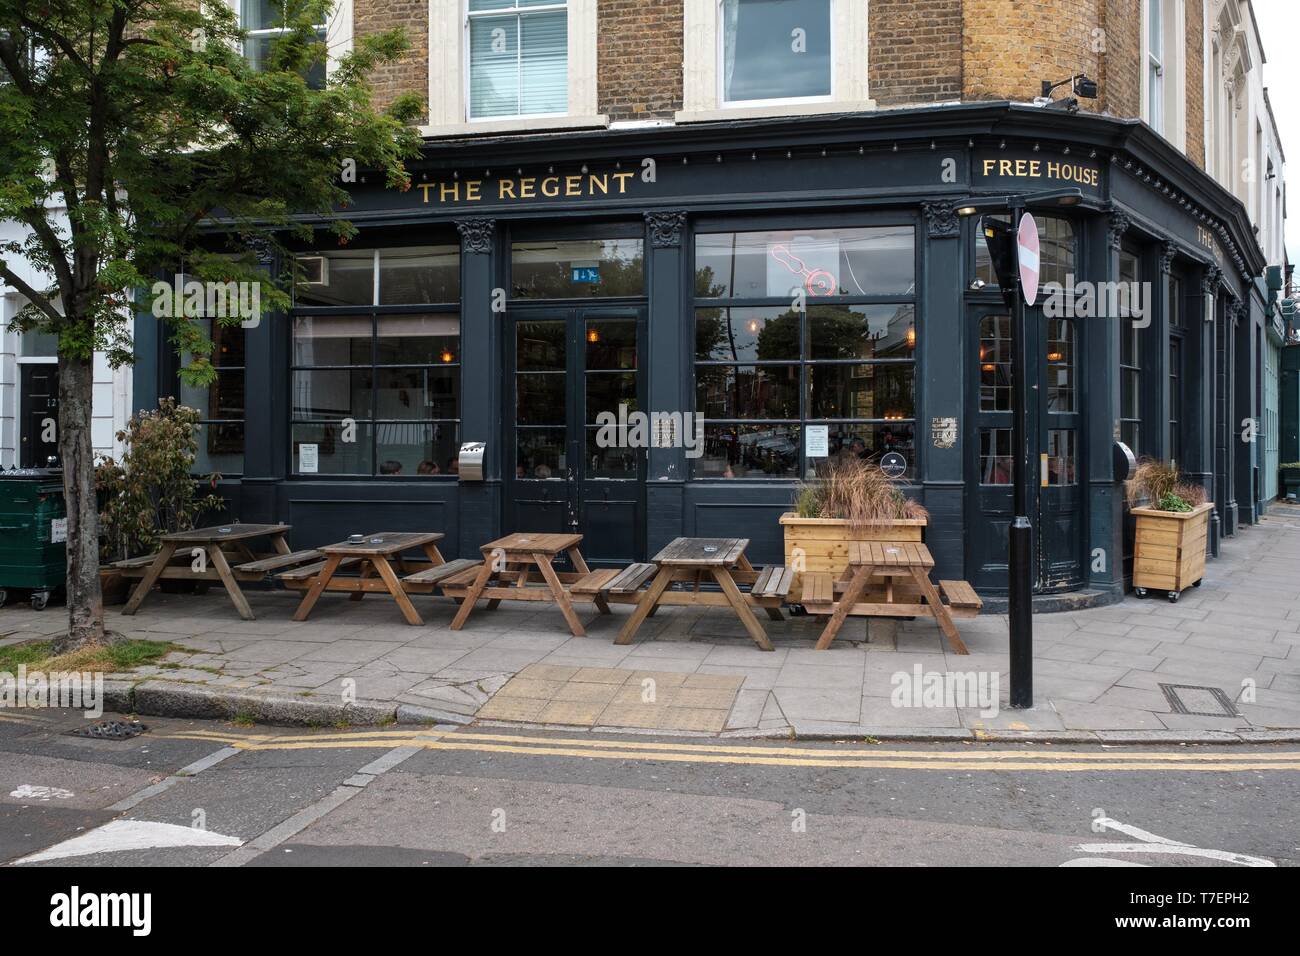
(810, 287)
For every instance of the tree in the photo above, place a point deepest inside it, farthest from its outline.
(136, 141)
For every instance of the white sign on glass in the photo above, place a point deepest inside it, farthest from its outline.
(308, 459)
(817, 441)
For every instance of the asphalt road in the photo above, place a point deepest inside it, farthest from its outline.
(200, 793)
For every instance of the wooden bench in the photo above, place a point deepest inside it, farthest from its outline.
(818, 589)
(278, 561)
(630, 579)
(961, 598)
(773, 581)
(300, 578)
(431, 577)
(594, 582)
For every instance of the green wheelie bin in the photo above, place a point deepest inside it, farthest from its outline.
(33, 534)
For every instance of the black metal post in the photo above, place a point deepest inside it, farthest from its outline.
(1020, 537)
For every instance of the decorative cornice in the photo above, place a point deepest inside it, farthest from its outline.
(477, 235)
(941, 219)
(1168, 250)
(1115, 229)
(1210, 280)
(666, 228)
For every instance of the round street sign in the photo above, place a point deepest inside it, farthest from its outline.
(1027, 255)
(893, 465)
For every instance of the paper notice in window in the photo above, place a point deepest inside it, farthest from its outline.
(308, 459)
(817, 441)
(58, 530)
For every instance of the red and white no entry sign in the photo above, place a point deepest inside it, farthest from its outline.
(1027, 255)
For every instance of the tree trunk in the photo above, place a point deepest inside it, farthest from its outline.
(85, 602)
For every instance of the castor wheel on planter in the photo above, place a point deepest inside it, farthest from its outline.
(1173, 597)
(1140, 592)
(1196, 584)
(40, 599)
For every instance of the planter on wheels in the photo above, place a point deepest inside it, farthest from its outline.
(1169, 549)
(824, 542)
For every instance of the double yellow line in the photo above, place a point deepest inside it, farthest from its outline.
(967, 758)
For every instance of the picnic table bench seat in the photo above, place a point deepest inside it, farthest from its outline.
(439, 573)
(301, 576)
(631, 578)
(278, 561)
(130, 564)
(961, 596)
(774, 581)
(594, 582)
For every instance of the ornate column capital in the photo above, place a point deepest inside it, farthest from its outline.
(477, 235)
(666, 228)
(941, 219)
(1115, 229)
(1210, 280)
(1168, 251)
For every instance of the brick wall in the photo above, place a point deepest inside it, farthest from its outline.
(1121, 69)
(1195, 82)
(1010, 46)
(411, 72)
(914, 51)
(639, 58)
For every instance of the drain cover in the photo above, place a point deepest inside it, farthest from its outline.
(1199, 701)
(110, 730)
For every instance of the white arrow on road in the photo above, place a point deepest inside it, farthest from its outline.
(122, 835)
(1151, 843)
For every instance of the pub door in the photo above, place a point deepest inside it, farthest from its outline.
(1055, 498)
(39, 408)
(564, 367)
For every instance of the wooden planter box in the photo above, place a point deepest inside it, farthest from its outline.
(1169, 548)
(825, 541)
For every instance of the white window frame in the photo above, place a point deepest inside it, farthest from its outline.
(448, 68)
(519, 13)
(773, 101)
(1164, 76)
(338, 31)
(702, 67)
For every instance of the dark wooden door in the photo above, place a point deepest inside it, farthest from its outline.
(39, 402)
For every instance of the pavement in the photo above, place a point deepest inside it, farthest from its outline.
(1222, 664)
(208, 793)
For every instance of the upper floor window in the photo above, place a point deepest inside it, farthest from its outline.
(775, 50)
(265, 21)
(518, 58)
(1165, 98)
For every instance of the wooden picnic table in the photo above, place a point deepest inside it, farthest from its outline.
(910, 561)
(375, 554)
(213, 546)
(506, 575)
(722, 559)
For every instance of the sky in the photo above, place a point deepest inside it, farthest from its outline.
(1279, 28)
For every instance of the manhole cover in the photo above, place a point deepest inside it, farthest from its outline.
(110, 730)
(1199, 701)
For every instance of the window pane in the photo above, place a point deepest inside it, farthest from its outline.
(1056, 251)
(334, 394)
(417, 393)
(776, 48)
(859, 440)
(539, 453)
(408, 339)
(344, 278)
(611, 344)
(606, 391)
(861, 331)
(221, 448)
(770, 334)
(995, 456)
(747, 391)
(334, 455)
(222, 399)
(419, 274)
(544, 63)
(261, 14)
(875, 261)
(1060, 456)
(995, 363)
(494, 66)
(612, 462)
(331, 340)
(413, 448)
(749, 451)
(539, 398)
(540, 346)
(860, 391)
(585, 268)
(38, 344)
(1060, 365)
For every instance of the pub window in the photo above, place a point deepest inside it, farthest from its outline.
(1176, 333)
(1060, 366)
(995, 456)
(775, 50)
(1061, 456)
(265, 21)
(220, 403)
(518, 58)
(766, 371)
(580, 268)
(376, 375)
(1130, 368)
(1055, 250)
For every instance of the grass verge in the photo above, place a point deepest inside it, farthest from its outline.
(111, 658)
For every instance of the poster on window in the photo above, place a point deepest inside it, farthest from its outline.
(308, 459)
(803, 263)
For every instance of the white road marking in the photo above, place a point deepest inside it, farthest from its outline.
(122, 835)
(30, 791)
(1151, 843)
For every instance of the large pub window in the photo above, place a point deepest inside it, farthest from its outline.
(1177, 331)
(375, 366)
(220, 403)
(801, 330)
(1130, 361)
